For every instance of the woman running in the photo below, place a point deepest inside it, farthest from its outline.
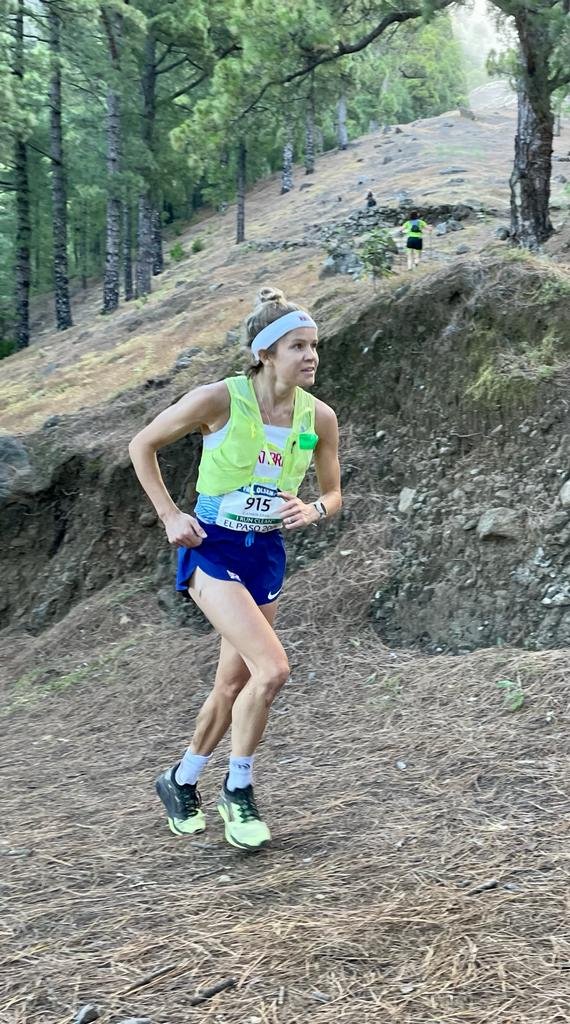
(260, 433)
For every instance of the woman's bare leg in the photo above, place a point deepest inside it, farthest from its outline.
(232, 675)
(233, 613)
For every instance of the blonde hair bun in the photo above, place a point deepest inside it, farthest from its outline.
(270, 294)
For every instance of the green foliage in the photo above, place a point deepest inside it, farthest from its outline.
(214, 63)
(177, 252)
(377, 251)
(197, 245)
(7, 348)
(513, 694)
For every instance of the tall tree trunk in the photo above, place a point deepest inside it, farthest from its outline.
(241, 172)
(341, 132)
(22, 203)
(287, 172)
(148, 232)
(35, 239)
(22, 245)
(157, 254)
(59, 191)
(128, 251)
(83, 243)
(113, 23)
(310, 127)
(144, 246)
(530, 177)
(113, 230)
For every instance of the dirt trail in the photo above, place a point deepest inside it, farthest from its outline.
(418, 873)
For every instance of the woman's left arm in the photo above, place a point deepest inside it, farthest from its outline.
(295, 513)
(326, 458)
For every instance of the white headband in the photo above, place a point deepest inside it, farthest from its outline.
(273, 332)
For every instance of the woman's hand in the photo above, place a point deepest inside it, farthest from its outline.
(295, 514)
(183, 530)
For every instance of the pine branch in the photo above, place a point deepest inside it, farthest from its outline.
(171, 67)
(344, 49)
(560, 79)
(167, 51)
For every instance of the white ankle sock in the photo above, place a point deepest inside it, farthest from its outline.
(189, 769)
(240, 772)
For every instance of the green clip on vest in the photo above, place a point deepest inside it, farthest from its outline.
(232, 464)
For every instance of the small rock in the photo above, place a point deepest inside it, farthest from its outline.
(407, 497)
(454, 170)
(135, 1020)
(461, 211)
(52, 421)
(185, 358)
(214, 287)
(561, 599)
(147, 518)
(401, 766)
(502, 233)
(387, 159)
(560, 179)
(501, 523)
(14, 464)
(462, 249)
(564, 495)
(233, 337)
(87, 1014)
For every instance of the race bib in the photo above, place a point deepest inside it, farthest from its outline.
(251, 508)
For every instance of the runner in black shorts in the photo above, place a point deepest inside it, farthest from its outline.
(414, 229)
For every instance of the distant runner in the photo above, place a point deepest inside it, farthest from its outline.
(260, 433)
(414, 229)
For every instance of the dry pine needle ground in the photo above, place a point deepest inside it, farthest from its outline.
(419, 866)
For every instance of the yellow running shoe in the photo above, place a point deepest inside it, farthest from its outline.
(243, 826)
(183, 804)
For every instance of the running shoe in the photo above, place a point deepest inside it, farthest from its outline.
(183, 804)
(243, 825)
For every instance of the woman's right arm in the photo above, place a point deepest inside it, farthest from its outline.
(205, 406)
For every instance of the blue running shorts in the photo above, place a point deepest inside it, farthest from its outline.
(257, 560)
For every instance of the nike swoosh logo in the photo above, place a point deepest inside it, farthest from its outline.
(271, 597)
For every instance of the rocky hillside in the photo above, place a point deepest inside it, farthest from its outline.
(452, 394)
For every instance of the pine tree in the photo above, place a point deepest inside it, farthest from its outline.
(58, 175)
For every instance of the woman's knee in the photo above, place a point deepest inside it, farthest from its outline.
(272, 676)
(229, 685)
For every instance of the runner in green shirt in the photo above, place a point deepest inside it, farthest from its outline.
(414, 228)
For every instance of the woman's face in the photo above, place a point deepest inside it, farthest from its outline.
(294, 359)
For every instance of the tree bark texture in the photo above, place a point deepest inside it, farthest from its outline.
(128, 251)
(58, 180)
(310, 128)
(21, 179)
(241, 173)
(530, 177)
(287, 171)
(341, 132)
(114, 26)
